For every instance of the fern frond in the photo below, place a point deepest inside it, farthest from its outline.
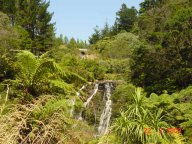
(71, 77)
(51, 107)
(62, 85)
(27, 64)
(44, 68)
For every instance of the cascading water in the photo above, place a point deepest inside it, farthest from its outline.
(94, 92)
(106, 114)
(78, 93)
(89, 99)
(72, 101)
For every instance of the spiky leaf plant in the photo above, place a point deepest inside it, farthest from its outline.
(131, 125)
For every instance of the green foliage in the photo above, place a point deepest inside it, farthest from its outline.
(110, 138)
(9, 41)
(157, 57)
(147, 119)
(87, 68)
(72, 44)
(106, 31)
(33, 72)
(10, 8)
(149, 4)
(38, 75)
(52, 106)
(133, 121)
(124, 44)
(121, 98)
(177, 107)
(95, 37)
(164, 63)
(126, 18)
(59, 54)
(34, 18)
(121, 46)
(59, 85)
(25, 40)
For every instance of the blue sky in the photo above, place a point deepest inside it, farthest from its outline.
(78, 18)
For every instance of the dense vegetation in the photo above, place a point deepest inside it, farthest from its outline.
(41, 76)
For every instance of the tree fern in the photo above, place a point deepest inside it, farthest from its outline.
(32, 71)
(45, 67)
(59, 83)
(27, 64)
(74, 78)
(35, 73)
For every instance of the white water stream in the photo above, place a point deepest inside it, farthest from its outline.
(107, 111)
(89, 99)
(72, 101)
(106, 114)
(94, 92)
(78, 93)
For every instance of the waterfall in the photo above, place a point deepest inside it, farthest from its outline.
(94, 92)
(82, 87)
(78, 93)
(106, 114)
(89, 99)
(72, 101)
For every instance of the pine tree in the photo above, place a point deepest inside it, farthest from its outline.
(96, 36)
(115, 29)
(105, 32)
(72, 44)
(126, 18)
(65, 40)
(34, 17)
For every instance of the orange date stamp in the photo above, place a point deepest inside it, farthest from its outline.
(148, 131)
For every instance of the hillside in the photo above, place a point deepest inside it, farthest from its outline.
(131, 84)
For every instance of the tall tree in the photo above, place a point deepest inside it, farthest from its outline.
(115, 28)
(95, 36)
(72, 43)
(126, 17)
(105, 32)
(35, 18)
(65, 40)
